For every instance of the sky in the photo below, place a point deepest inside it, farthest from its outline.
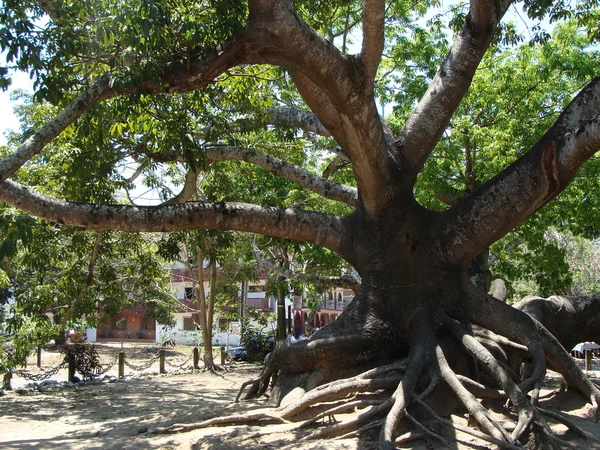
(8, 121)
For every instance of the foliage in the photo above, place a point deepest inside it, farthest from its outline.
(84, 357)
(255, 343)
(583, 257)
(498, 121)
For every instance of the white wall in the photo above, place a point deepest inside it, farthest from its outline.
(90, 334)
(185, 337)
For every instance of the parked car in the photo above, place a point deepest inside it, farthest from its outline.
(237, 353)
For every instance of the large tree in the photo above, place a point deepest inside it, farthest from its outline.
(167, 81)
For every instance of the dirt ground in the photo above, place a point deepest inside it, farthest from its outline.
(124, 414)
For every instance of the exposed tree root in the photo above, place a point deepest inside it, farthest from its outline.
(467, 430)
(259, 385)
(384, 397)
(432, 426)
(565, 421)
(228, 420)
(426, 431)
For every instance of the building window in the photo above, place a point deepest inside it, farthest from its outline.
(254, 288)
(119, 323)
(191, 323)
(260, 303)
(148, 323)
(189, 293)
(188, 324)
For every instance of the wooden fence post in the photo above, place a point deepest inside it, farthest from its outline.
(39, 356)
(196, 357)
(162, 361)
(121, 364)
(6, 381)
(222, 356)
(71, 361)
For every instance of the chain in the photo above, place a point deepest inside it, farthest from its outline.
(102, 370)
(40, 376)
(145, 366)
(179, 366)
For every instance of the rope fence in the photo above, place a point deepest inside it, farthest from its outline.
(87, 365)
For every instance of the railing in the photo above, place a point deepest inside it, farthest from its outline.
(121, 360)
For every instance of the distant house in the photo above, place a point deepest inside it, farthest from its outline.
(129, 325)
(132, 324)
(225, 333)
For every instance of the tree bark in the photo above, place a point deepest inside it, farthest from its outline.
(570, 319)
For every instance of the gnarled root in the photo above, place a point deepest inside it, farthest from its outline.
(395, 396)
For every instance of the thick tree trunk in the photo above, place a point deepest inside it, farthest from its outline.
(417, 308)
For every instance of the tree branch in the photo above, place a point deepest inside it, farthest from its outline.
(88, 281)
(188, 191)
(304, 120)
(330, 83)
(431, 116)
(316, 227)
(317, 101)
(373, 36)
(98, 91)
(49, 7)
(298, 118)
(322, 186)
(346, 281)
(521, 189)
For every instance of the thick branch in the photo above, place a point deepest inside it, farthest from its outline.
(304, 120)
(521, 189)
(315, 227)
(373, 36)
(298, 118)
(98, 91)
(190, 188)
(333, 86)
(178, 76)
(317, 101)
(322, 186)
(430, 118)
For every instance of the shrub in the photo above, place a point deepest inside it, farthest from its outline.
(85, 357)
(256, 344)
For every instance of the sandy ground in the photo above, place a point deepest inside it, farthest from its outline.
(123, 415)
